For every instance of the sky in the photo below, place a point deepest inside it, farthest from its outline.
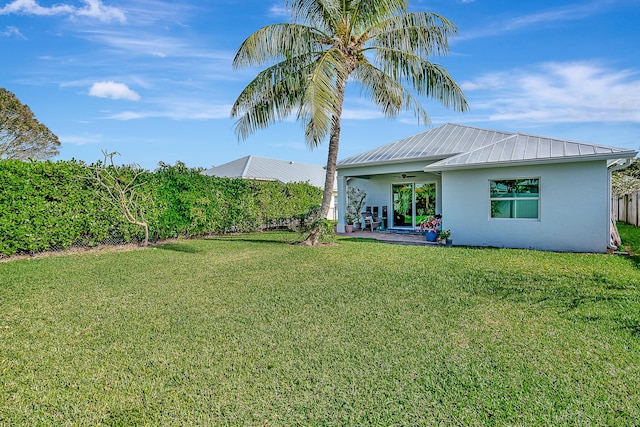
(152, 79)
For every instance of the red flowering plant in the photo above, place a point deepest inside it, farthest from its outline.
(431, 223)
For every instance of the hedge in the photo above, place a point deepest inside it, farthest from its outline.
(56, 205)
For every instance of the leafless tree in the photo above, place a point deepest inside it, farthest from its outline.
(121, 190)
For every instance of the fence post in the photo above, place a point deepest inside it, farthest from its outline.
(637, 218)
(625, 208)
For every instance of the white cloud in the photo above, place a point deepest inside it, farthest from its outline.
(577, 92)
(95, 9)
(128, 115)
(92, 8)
(278, 11)
(31, 7)
(563, 13)
(12, 31)
(113, 90)
(81, 140)
(138, 42)
(361, 114)
(179, 110)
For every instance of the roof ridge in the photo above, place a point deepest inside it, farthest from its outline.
(246, 166)
(479, 128)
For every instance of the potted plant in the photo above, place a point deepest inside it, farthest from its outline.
(350, 219)
(355, 203)
(430, 227)
(445, 237)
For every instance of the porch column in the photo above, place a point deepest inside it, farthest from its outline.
(342, 202)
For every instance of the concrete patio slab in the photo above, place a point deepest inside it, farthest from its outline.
(390, 237)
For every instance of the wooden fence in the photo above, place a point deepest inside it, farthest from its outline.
(626, 208)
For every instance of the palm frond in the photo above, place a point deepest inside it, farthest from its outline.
(422, 33)
(368, 13)
(272, 95)
(277, 42)
(322, 97)
(426, 78)
(323, 14)
(388, 93)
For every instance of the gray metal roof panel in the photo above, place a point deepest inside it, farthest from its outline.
(233, 169)
(529, 148)
(266, 169)
(443, 141)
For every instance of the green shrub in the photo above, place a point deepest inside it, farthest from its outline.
(54, 205)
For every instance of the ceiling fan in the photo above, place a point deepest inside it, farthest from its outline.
(404, 175)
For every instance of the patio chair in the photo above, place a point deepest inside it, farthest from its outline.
(370, 221)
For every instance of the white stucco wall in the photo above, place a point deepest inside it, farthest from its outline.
(573, 208)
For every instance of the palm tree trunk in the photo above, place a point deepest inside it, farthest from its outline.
(332, 160)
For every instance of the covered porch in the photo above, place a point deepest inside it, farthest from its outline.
(401, 195)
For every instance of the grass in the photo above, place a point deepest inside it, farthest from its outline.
(630, 236)
(251, 330)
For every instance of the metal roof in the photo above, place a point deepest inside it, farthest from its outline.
(458, 146)
(265, 169)
(521, 148)
(437, 143)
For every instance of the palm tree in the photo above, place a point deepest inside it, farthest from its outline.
(377, 44)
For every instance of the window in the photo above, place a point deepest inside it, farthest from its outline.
(515, 198)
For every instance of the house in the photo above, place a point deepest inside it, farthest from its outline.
(266, 169)
(492, 188)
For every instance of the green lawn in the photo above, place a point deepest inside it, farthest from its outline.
(250, 330)
(631, 237)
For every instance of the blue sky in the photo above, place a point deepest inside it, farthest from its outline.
(152, 79)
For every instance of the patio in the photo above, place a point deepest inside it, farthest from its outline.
(391, 237)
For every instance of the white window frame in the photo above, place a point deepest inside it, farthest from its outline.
(497, 199)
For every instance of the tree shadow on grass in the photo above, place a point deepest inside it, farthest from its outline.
(252, 240)
(633, 326)
(635, 260)
(614, 302)
(363, 239)
(178, 247)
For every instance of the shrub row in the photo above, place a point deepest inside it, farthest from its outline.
(54, 205)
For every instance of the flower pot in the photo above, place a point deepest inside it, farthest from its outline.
(348, 228)
(431, 235)
(449, 243)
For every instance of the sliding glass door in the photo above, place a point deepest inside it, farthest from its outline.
(412, 202)
(402, 205)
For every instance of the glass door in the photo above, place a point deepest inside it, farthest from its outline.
(425, 201)
(402, 205)
(412, 202)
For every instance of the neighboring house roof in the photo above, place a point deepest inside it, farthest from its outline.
(455, 147)
(265, 169)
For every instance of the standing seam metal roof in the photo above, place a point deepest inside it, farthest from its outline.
(465, 146)
(265, 169)
(528, 148)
